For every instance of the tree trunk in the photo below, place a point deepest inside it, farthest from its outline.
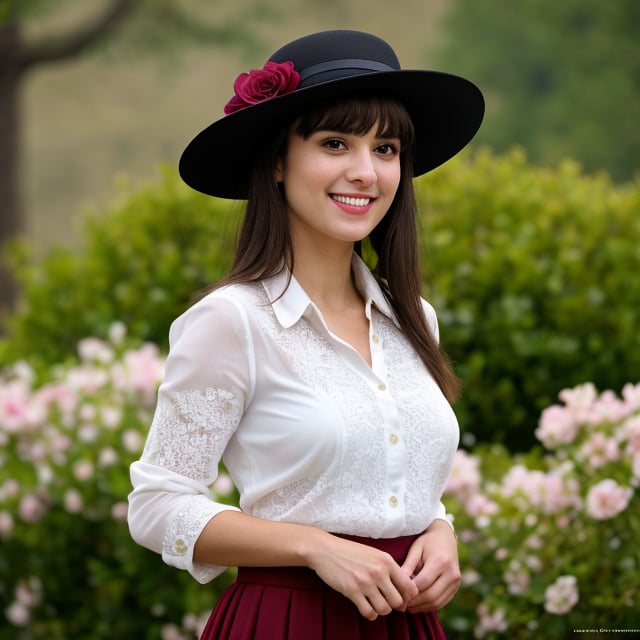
(16, 58)
(11, 221)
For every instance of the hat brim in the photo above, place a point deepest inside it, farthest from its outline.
(446, 111)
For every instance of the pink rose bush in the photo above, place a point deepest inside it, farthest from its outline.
(68, 559)
(549, 538)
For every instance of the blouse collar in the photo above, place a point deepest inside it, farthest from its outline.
(291, 303)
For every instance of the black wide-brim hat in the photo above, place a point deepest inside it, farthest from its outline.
(446, 110)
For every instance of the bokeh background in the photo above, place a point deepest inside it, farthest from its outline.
(530, 252)
(561, 78)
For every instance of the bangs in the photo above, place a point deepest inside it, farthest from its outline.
(357, 115)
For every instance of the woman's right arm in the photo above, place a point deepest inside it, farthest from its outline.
(370, 578)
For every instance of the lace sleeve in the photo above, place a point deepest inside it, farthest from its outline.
(208, 382)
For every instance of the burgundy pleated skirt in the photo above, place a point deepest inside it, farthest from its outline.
(293, 603)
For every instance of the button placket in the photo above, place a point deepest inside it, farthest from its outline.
(395, 452)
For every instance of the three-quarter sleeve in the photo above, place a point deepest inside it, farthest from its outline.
(208, 382)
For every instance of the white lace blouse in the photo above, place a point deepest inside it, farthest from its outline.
(307, 430)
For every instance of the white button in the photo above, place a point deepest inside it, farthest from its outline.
(180, 546)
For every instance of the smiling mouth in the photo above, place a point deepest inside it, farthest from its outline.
(353, 202)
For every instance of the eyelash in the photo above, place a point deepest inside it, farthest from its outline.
(390, 148)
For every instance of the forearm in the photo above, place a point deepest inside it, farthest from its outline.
(233, 538)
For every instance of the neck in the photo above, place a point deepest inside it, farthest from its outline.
(326, 276)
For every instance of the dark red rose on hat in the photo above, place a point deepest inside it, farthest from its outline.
(274, 79)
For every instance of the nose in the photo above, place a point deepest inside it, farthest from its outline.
(361, 167)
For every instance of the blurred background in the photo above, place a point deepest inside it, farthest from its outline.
(530, 252)
(562, 79)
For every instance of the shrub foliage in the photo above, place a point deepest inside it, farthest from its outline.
(532, 271)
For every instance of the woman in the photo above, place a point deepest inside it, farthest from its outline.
(319, 383)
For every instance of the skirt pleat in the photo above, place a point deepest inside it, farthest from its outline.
(293, 603)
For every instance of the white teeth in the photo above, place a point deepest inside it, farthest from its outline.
(354, 202)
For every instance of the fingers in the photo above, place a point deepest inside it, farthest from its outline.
(438, 583)
(434, 598)
(381, 588)
(370, 578)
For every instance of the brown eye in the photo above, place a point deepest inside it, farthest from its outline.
(334, 144)
(387, 149)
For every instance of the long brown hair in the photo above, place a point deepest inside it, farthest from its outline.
(264, 239)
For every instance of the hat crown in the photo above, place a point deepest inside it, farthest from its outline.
(331, 55)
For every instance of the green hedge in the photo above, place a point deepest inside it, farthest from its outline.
(533, 271)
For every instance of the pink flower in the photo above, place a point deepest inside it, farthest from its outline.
(525, 487)
(274, 79)
(481, 505)
(73, 502)
(580, 398)
(141, 371)
(489, 621)
(29, 593)
(18, 410)
(464, 480)
(6, 523)
(607, 499)
(107, 457)
(560, 492)
(223, 485)
(119, 511)
(18, 615)
(600, 450)
(635, 465)
(517, 580)
(31, 508)
(83, 470)
(117, 333)
(557, 426)
(95, 350)
(631, 395)
(607, 407)
(132, 441)
(631, 433)
(561, 596)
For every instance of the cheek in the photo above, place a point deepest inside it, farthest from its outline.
(391, 178)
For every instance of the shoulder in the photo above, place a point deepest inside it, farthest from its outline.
(222, 312)
(431, 317)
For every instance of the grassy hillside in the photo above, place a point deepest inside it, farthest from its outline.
(112, 113)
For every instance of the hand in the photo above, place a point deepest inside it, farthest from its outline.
(370, 578)
(432, 561)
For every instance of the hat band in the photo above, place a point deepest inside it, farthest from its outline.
(346, 63)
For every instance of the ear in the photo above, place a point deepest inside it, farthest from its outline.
(278, 174)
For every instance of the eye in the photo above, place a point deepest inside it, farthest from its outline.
(334, 144)
(387, 149)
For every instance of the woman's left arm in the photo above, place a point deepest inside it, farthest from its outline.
(432, 561)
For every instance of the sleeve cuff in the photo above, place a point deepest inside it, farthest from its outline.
(182, 533)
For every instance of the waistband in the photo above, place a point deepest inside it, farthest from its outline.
(305, 578)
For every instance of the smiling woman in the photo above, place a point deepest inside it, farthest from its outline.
(319, 382)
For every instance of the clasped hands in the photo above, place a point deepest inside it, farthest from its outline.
(427, 580)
